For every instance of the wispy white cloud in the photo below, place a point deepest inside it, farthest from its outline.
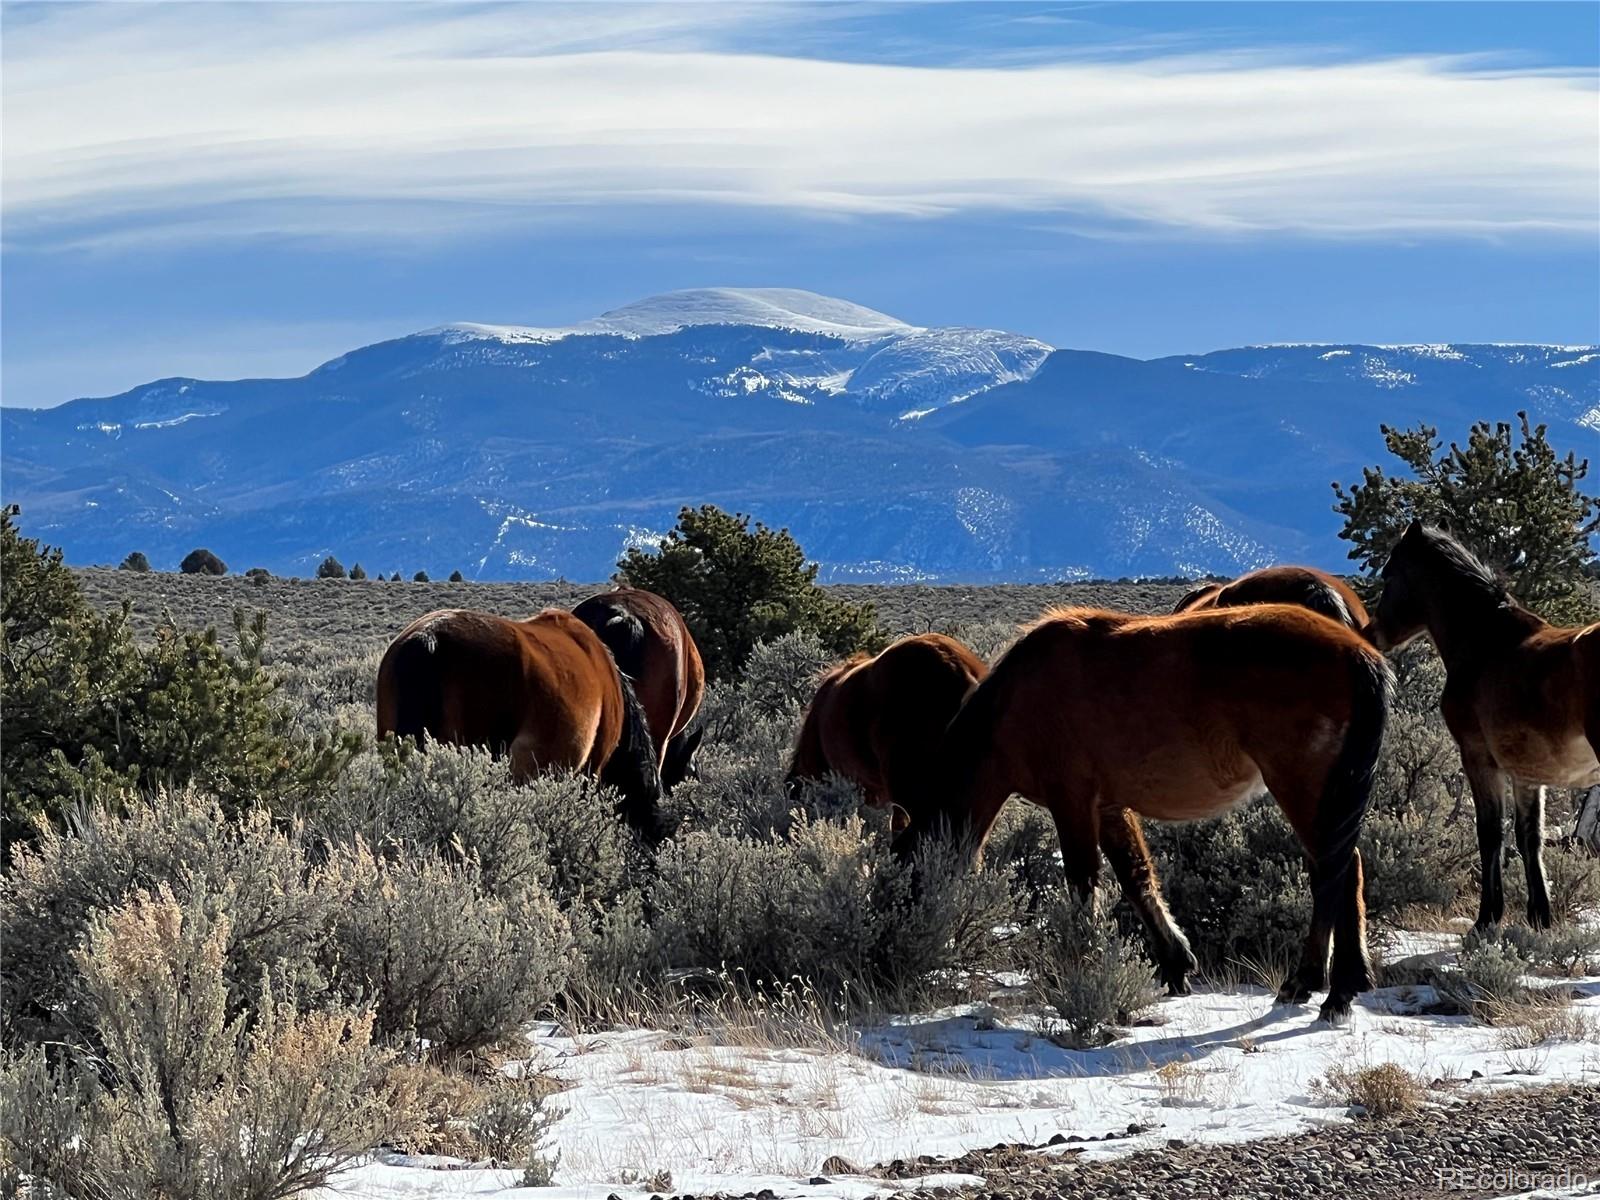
(194, 121)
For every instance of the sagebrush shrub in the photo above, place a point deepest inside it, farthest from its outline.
(1490, 972)
(1237, 886)
(500, 1117)
(1090, 976)
(829, 904)
(277, 902)
(1024, 841)
(561, 830)
(441, 959)
(186, 1102)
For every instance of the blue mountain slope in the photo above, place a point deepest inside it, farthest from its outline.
(893, 452)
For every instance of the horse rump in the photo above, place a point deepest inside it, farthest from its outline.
(411, 688)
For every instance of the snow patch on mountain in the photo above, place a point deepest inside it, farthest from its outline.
(930, 368)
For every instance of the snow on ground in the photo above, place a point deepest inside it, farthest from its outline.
(1220, 1065)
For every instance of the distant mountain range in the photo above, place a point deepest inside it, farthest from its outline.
(893, 452)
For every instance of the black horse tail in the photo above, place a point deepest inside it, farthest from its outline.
(1195, 595)
(621, 630)
(633, 768)
(1348, 786)
(417, 686)
(1322, 597)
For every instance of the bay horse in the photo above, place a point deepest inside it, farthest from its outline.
(653, 647)
(878, 721)
(1306, 586)
(1098, 715)
(1521, 696)
(544, 692)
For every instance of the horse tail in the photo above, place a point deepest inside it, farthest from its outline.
(1195, 595)
(1348, 785)
(633, 768)
(1321, 596)
(411, 691)
(621, 629)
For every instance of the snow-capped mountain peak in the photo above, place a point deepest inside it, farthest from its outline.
(770, 308)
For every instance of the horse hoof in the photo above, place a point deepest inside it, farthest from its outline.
(1540, 919)
(1178, 987)
(1291, 993)
(1335, 1011)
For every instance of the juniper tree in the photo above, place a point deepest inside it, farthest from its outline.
(736, 586)
(1507, 494)
(201, 561)
(87, 705)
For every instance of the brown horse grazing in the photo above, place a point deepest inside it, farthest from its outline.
(1521, 696)
(653, 647)
(543, 691)
(1306, 586)
(878, 721)
(1093, 713)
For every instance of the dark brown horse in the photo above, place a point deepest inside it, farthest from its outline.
(1093, 714)
(1306, 586)
(544, 691)
(1521, 696)
(653, 647)
(878, 721)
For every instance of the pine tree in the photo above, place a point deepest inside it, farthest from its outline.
(358, 572)
(330, 568)
(135, 562)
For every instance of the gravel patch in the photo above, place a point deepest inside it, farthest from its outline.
(1498, 1145)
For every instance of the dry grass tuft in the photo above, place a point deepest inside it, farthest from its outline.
(1380, 1091)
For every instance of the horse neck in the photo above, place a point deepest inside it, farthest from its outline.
(1470, 622)
(974, 783)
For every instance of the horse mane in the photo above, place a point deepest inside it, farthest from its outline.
(1465, 566)
(633, 768)
(839, 669)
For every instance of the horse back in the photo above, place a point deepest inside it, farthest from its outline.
(1306, 587)
(1185, 710)
(652, 645)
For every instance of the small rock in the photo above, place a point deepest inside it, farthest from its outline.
(818, 1180)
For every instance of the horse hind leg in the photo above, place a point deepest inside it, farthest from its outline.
(1122, 840)
(1530, 844)
(1352, 969)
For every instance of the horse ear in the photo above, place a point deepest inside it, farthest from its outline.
(1413, 530)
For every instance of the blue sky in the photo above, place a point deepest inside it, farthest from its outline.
(231, 190)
